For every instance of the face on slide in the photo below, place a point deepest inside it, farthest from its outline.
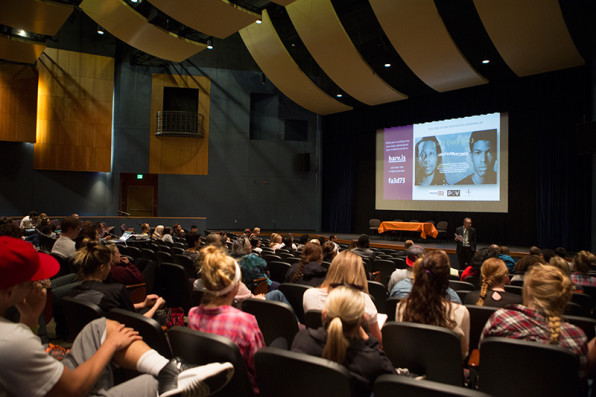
(427, 157)
(483, 157)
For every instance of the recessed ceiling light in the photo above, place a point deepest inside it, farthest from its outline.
(339, 95)
(22, 33)
(387, 65)
(259, 21)
(209, 45)
(485, 61)
(100, 30)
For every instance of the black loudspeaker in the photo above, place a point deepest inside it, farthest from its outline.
(586, 137)
(302, 163)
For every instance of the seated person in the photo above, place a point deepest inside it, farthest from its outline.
(221, 276)
(525, 264)
(65, 245)
(158, 233)
(504, 256)
(412, 253)
(27, 370)
(427, 303)
(344, 341)
(472, 273)
(253, 267)
(275, 242)
(346, 269)
(545, 294)
(583, 262)
(93, 262)
(330, 251)
(309, 270)
(193, 239)
(123, 271)
(167, 235)
(495, 276)
(363, 248)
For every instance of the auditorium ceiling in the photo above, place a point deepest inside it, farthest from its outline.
(331, 56)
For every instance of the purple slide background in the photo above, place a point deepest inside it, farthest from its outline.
(398, 148)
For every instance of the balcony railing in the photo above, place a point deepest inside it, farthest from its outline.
(180, 123)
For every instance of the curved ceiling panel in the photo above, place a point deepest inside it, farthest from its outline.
(531, 35)
(323, 34)
(217, 18)
(274, 60)
(126, 24)
(283, 2)
(16, 50)
(418, 33)
(35, 16)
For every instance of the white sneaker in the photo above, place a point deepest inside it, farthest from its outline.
(201, 381)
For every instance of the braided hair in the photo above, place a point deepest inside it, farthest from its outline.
(311, 253)
(493, 272)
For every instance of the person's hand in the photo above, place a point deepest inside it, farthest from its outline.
(124, 259)
(34, 302)
(160, 302)
(260, 296)
(150, 300)
(121, 337)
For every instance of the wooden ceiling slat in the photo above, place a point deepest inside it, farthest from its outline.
(35, 16)
(325, 38)
(419, 35)
(530, 35)
(129, 26)
(218, 18)
(16, 50)
(274, 60)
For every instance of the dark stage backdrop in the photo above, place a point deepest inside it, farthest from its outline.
(549, 182)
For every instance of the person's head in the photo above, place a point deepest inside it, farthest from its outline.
(214, 239)
(194, 229)
(145, 228)
(322, 240)
(315, 241)
(329, 250)
(346, 269)
(526, 262)
(274, 239)
(89, 230)
(304, 239)
(20, 266)
(255, 242)
(177, 228)
(70, 226)
(480, 256)
(256, 231)
(505, 250)
(547, 254)
(562, 252)
(561, 264)
(467, 223)
(535, 251)
(116, 256)
(408, 244)
(158, 232)
(193, 239)
(483, 147)
(426, 302)
(240, 247)
(547, 290)
(247, 232)
(310, 253)
(428, 156)
(332, 237)
(8, 228)
(495, 247)
(413, 253)
(583, 261)
(167, 230)
(220, 274)
(363, 241)
(93, 260)
(343, 313)
(494, 274)
(288, 242)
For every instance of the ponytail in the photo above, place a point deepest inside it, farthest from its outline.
(337, 343)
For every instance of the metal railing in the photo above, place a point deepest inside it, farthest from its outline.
(180, 123)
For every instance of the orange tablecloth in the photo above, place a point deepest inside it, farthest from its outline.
(423, 228)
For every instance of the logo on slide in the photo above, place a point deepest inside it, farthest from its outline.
(453, 193)
(397, 159)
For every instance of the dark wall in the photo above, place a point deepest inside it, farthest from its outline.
(549, 183)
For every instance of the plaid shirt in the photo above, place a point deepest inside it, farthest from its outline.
(520, 322)
(240, 327)
(580, 279)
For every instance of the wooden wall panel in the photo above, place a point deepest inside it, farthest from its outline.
(18, 102)
(74, 112)
(179, 155)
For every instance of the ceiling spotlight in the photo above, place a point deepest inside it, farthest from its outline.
(100, 30)
(485, 61)
(387, 65)
(22, 33)
(209, 45)
(134, 1)
(259, 21)
(339, 95)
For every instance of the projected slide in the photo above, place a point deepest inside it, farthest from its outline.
(448, 161)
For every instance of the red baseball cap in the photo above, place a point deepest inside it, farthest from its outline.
(19, 262)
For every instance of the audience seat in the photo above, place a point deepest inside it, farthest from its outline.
(278, 270)
(379, 294)
(187, 263)
(395, 385)
(461, 285)
(78, 313)
(294, 293)
(313, 319)
(148, 328)
(292, 374)
(479, 315)
(391, 307)
(276, 320)
(173, 285)
(386, 267)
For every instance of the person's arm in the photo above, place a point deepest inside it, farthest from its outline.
(374, 330)
(153, 301)
(32, 306)
(78, 382)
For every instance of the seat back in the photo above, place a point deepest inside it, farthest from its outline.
(276, 319)
(172, 285)
(187, 263)
(379, 294)
(514, 289)
(425, 350)
(462, 295)
(294, 294)
(278, 270)
(391, 307)
(479, 315)
(461, 285)
(374, 223)
(313, 319)
(163, 256)
(400, 263)
(510, 367)
(148, 328)
(584, 300)
(148, 253)
(395, 385)
(78, 313)
(200, 348)
(292, 374)
(386, 267)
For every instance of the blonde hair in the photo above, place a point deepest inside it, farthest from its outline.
(583, 261)
(344, 308)
(218, 270)
(274, 239)
(548, 290)
(561, 264)
(346, 268)
(90, 257)
(493, 272)
(158, 232)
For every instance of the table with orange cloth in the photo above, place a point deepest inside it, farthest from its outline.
(424, 228)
